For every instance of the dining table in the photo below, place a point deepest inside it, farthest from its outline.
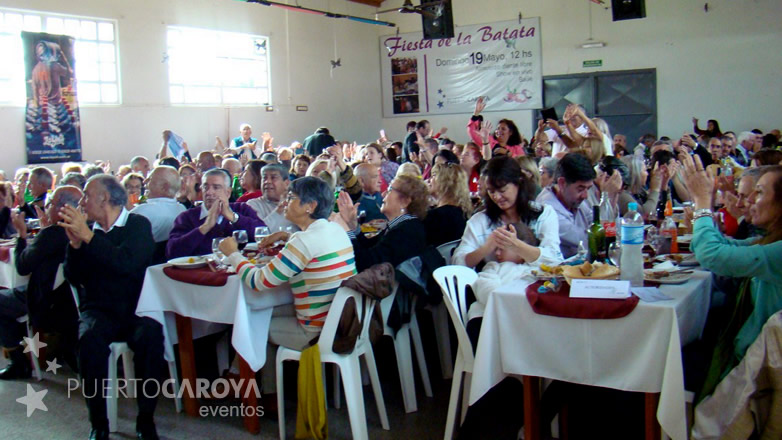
(640, 352)
(9, 277)
(187, 310)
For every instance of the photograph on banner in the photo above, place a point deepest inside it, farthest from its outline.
(501, 61)
(52, 116)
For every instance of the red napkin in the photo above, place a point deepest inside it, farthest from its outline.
(562, 305)
(203, 276)
(5, 254)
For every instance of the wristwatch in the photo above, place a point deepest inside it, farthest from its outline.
(704, 212)
(236, 218)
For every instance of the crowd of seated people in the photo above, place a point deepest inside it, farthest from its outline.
(514, 204)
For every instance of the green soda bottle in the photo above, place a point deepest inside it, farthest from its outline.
(236, 188)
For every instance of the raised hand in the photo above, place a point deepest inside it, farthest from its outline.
(480, 104)
(45, 220)
(698, 182)
(211, 218)
(486, 131)
(348, 210)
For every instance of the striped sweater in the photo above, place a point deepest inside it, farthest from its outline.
(314, 262)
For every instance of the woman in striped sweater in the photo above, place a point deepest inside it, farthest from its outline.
(314, 262)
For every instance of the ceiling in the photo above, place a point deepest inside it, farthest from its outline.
(375, 3)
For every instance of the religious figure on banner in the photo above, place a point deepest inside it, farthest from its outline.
(52, 117)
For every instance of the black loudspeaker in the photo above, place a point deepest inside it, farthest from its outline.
(437, 19)
(628, 9)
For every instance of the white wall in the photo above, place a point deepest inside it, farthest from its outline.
(723, 64)
(348, 103)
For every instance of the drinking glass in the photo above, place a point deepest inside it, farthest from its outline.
(615, 253)
(217, 253)
(241, 238)
(261, 232)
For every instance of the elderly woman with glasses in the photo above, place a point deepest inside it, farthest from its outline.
(313, 262)
(405, 207)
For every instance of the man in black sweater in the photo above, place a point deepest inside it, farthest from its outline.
(48, 307)
(108, 263)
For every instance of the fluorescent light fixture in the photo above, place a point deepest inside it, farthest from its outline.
(593, 45)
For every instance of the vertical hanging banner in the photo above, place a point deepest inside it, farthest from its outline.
(501, 61)
(52, 117)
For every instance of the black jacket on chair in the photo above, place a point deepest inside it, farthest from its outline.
(403, 239)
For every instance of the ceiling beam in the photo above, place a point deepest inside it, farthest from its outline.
(374, 3)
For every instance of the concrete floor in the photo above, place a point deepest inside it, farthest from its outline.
(66, 416)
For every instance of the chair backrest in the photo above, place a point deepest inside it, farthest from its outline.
(453, 281)
(446, 250)
(326, 340)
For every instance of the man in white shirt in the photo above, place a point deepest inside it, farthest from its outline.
(269, 207)
(161, 208)
(567, 195)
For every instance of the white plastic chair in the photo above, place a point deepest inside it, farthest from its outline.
(453, 281)
(404, 356)
(440, 318)
(121, 350)
(348, 364)
(34, 360)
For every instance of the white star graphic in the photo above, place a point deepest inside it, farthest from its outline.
(33, 400)
(34, 344)
(52, 366)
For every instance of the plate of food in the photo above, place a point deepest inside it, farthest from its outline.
(590, 271)
(679, 259)
(188, 262)
(666, 276)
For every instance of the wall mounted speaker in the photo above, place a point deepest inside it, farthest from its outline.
(437, 20)
(628, 9)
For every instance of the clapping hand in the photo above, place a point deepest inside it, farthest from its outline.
(348, 210)
(45, 220)
(17, 219)
(75, 224)
(211, 217)
(698, 182)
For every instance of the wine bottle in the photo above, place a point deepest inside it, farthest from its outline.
(596, 237)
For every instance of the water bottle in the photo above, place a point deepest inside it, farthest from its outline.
(632, 263)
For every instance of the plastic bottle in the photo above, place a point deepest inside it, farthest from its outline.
(668, 230)
(596, 237)
(632, 263)
(608, 217)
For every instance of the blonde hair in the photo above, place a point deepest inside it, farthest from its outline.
(409, 169)
(451, 181)
(414, 189)
(528, 165)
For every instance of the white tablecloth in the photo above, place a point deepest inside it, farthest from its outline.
(639, 352)
(9, 277)
(249, 311)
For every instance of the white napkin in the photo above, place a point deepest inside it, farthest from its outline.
(665, 265)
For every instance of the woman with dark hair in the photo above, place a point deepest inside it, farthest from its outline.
(251, 180)
(299, 166)
(505, 140)
(313, 263)
(391, 154)
(405, 206)
(472, 163)
(712, 128)
(766, 156)
(190, 191)
(510, 206)
(757, 260)
(445, 157)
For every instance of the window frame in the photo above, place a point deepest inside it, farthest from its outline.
(43, 16)
(221, 84)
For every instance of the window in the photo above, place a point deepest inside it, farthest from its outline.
(212, 67)
(95, 52)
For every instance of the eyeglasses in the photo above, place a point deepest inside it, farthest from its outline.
(291, 196)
